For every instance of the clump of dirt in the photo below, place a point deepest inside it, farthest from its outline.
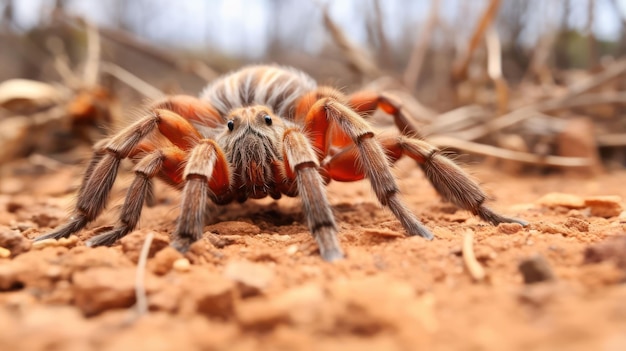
(256, 281)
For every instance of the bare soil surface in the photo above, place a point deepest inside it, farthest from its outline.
(256, 281)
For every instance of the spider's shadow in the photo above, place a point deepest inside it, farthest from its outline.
(264, 215)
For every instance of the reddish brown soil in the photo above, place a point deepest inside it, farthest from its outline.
(257, 282)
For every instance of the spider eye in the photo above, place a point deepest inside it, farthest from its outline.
(231, 125)
(268, 120)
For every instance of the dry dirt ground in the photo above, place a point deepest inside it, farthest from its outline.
(256, 281)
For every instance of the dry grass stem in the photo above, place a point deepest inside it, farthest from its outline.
(416, 60)
(505, 154)
(132, 80)
(474, 268)
(140, 288)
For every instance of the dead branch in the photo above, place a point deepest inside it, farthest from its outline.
(357, 58)
(456, 120)
(132, 80)
(61, 63)
(497, 124)
(416, 60)
(459, 71)
(494, 69)
(584, 100)
(488, 150)
(611, 140)
(538, 64)
(92, 61)
(384, 47)
(129, 40)
(616, 70)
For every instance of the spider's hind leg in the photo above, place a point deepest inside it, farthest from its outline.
(450, 181)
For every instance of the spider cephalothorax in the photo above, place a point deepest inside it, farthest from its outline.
(259, 131)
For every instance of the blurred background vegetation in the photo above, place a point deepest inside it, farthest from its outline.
(528, 67)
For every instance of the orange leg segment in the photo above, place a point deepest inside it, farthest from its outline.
(191, 108)
(366, 102)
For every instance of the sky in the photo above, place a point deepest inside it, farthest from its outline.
(240, 27)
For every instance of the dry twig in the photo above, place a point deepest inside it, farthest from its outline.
(494, 69)
(357, 57)
(92, 62)
(505, 154)
(416, 60)
(140, 288)
(474, 268)
(132, 80)
(459, 72)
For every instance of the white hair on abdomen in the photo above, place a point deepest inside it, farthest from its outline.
(273, 86)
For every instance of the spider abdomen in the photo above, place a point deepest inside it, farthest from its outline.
(278, 88)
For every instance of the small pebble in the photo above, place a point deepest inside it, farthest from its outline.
(64, 242)
(292, 249)
(4, 252)
(536, 269)
(181, 265)
(604, 206)
(561, 200)
(509, 228)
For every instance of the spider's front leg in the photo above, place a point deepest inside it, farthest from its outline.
(101, 174)
(164, 117)
(301, 163)
(166, 163)
(206, 173)
(370, 156)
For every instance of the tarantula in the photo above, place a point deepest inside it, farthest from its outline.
(258, 131)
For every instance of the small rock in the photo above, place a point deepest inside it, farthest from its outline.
(207, 293)
(164, 260)
(85, 258)
(551, 228)
(302, 305)
(509, 228)
(577, 223)
(538, 295)
(100, 289)
(234, 228)
(577, 139)
(221, 241)
(383, 233)
(133, 242)
(562, 200)
(292, 249)
(10, 276)
(70, 241)
(4, 253)
(604, 206)
(166, 299)
(13, 241)
(613, 249)
(251, 277)
(536, 269)
(397, 306)
(182, 265)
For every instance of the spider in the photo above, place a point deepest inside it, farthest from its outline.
(259, 131)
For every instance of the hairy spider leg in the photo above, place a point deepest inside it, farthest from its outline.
(370, 156)
(166, 161)
(206, 173)
(449, 180)
(102, 169)
(366, 102)
(301, 163)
